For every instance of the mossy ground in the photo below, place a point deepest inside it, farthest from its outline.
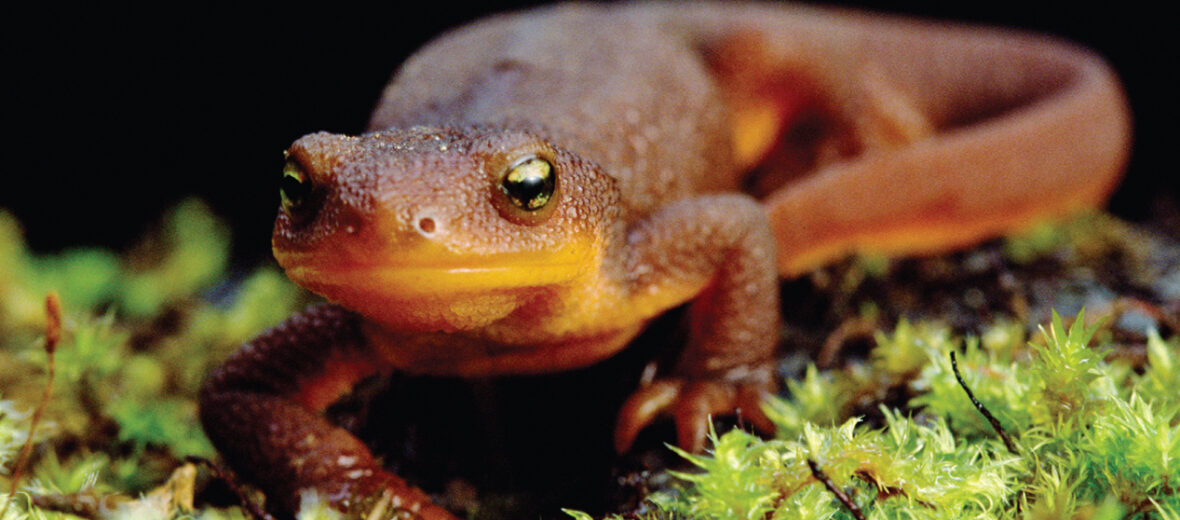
(1090, 405)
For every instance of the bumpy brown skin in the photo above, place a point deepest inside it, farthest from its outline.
(930, 136)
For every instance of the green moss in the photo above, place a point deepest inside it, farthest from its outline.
(161, 422)
(1086, 447)
(905, 469)
(82, 472)
(195, 249)
(818, 398)
(141, 330)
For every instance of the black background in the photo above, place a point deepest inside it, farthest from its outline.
(113, 114)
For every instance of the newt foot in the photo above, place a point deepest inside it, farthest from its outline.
(691, 403)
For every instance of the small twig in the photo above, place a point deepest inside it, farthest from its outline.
(991, 419)
(52, 336)
(851, 328)
(85, 504)
(884, 492)
(840, 495)
(250, 506)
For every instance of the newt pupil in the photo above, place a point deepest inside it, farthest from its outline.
(529, 183)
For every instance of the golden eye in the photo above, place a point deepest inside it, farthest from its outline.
(529, 183)
(294, 185)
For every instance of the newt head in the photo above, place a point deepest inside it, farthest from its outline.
(439, 228)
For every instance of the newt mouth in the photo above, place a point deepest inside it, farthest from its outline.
(448, 294)
(406, 281)
(432, 272)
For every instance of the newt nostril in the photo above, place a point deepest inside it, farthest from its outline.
(426, 225)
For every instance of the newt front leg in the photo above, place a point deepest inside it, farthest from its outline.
(720, 248)
(263, 409)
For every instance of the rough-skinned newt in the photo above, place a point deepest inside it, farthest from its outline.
(535, 188)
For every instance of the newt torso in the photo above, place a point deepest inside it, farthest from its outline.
(536, 188)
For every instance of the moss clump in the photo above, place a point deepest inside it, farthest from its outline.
(141, 330)
(1093, 439)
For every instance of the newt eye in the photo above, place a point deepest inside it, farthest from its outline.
(529, 183)
(294, 186)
